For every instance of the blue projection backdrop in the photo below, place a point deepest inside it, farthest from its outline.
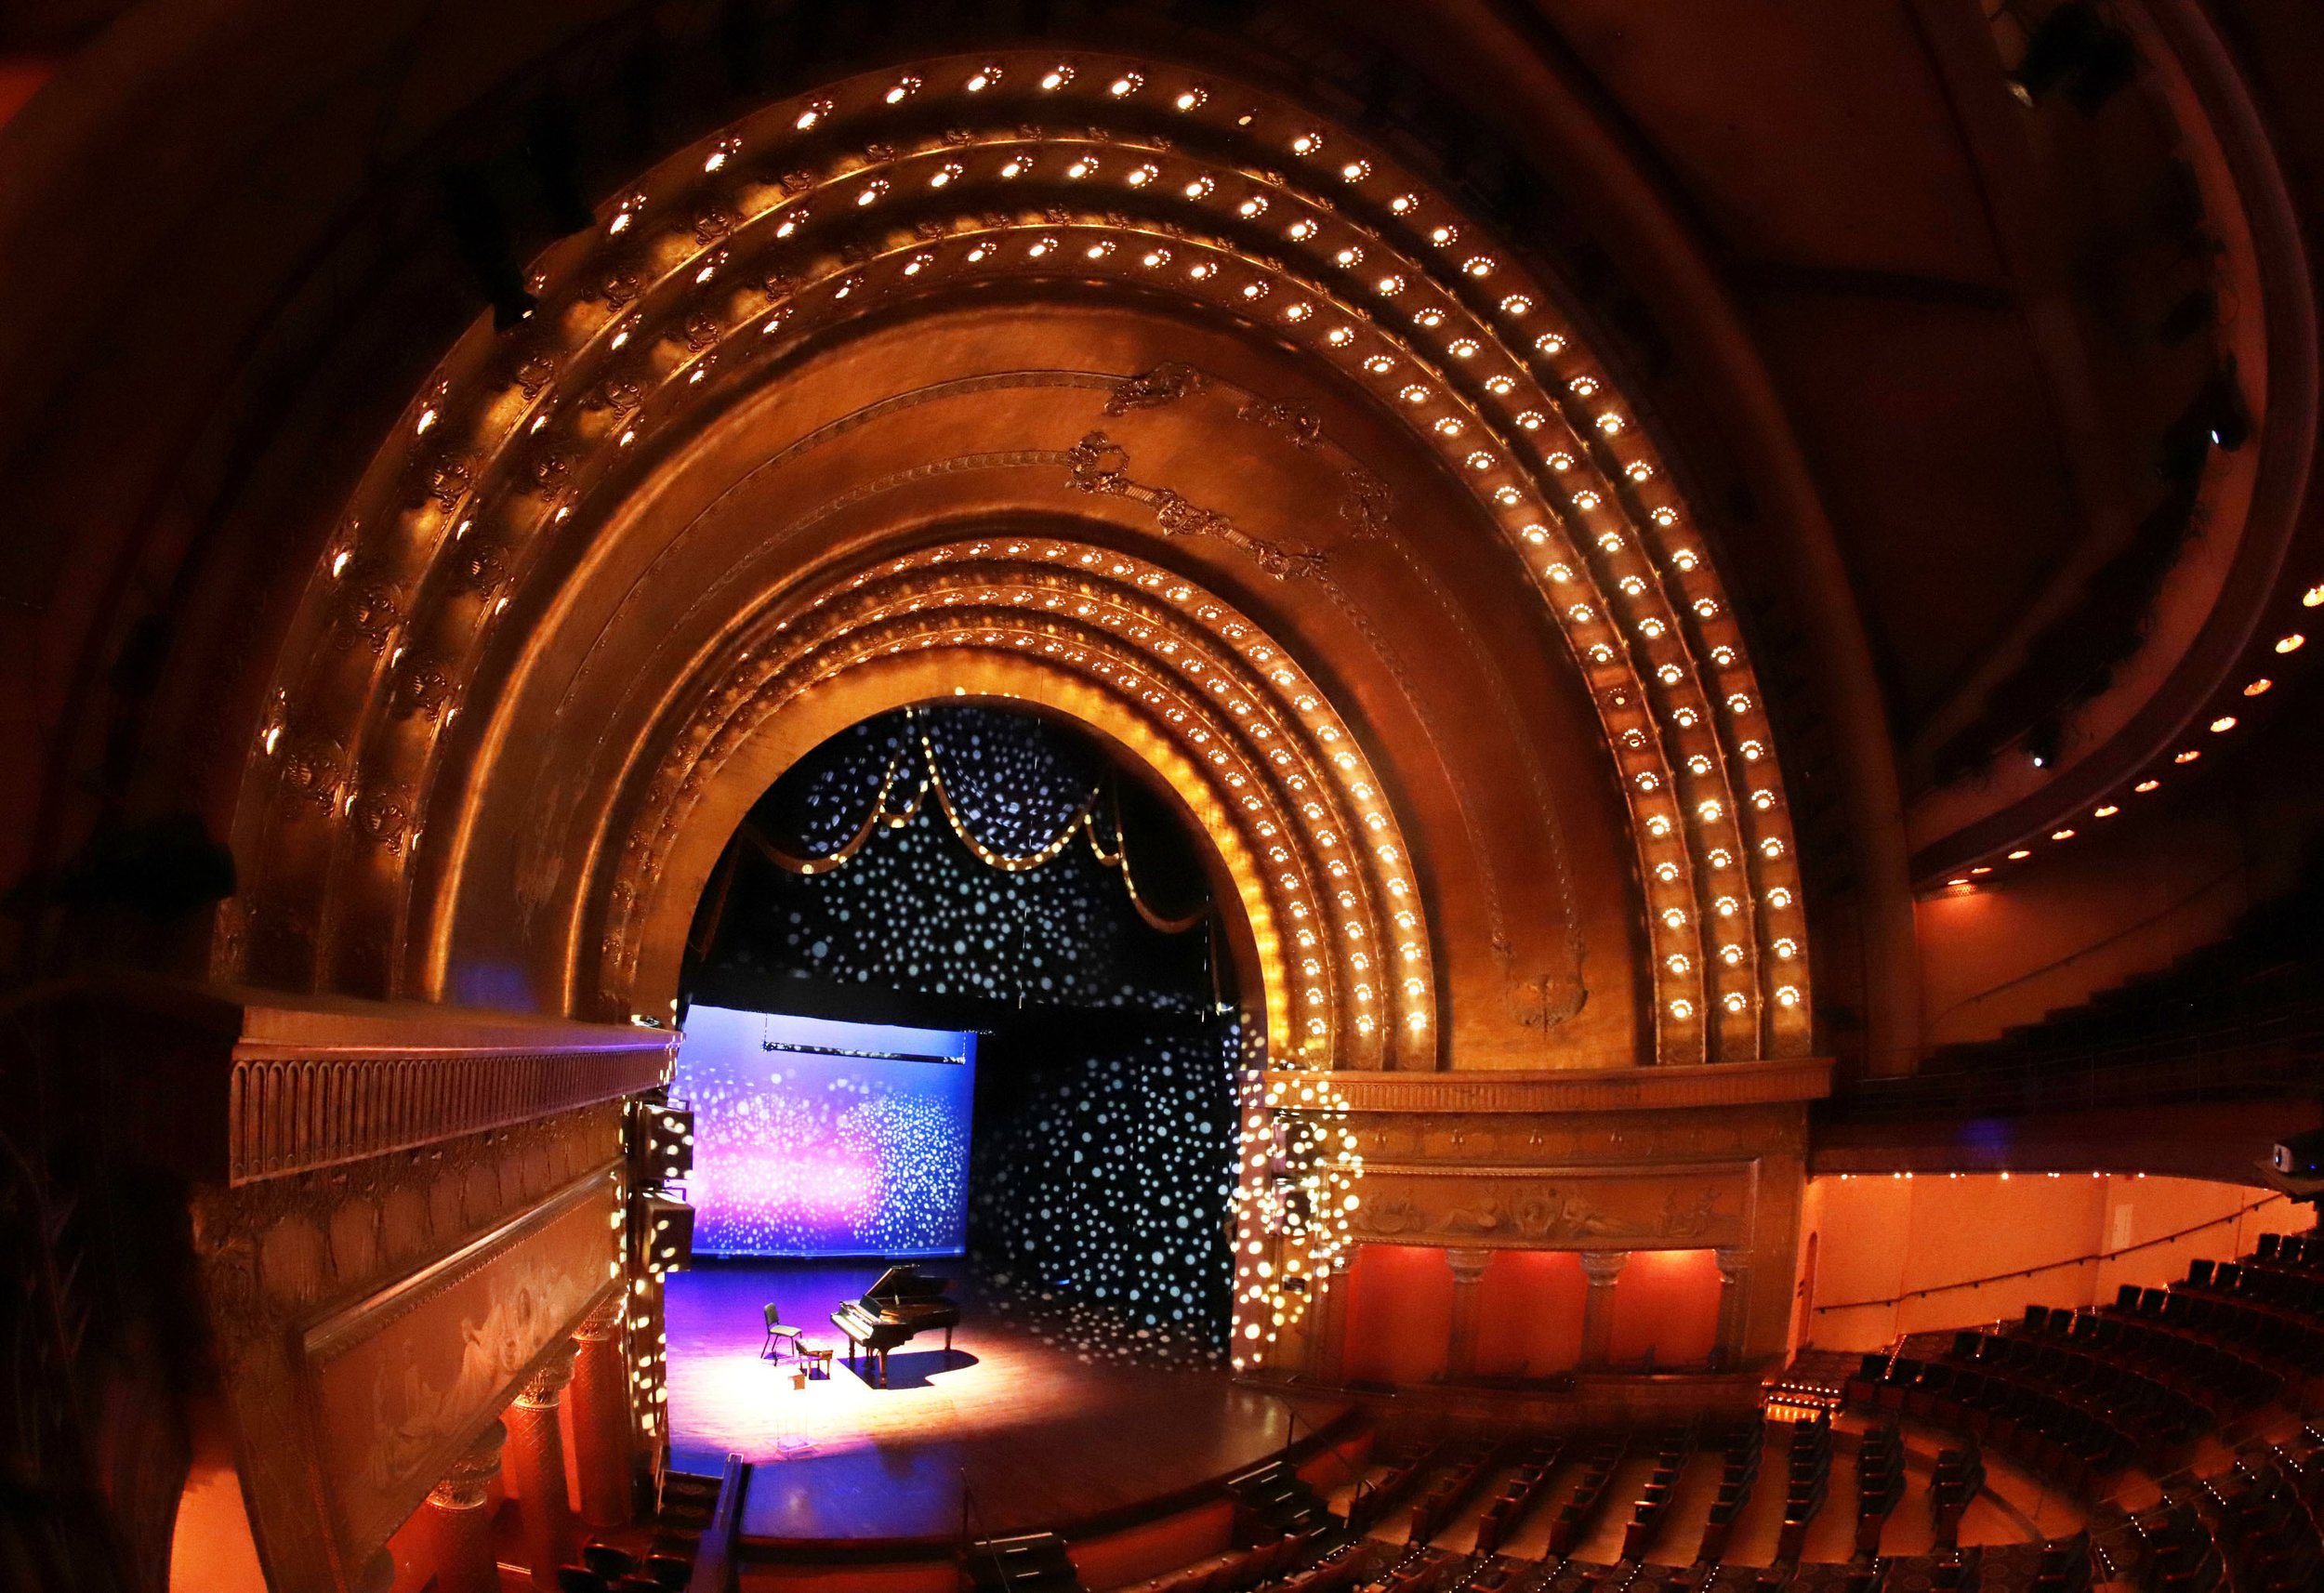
(808, 1149)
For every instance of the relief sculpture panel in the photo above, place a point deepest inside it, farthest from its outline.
(1647, 1207)
(398, 1385)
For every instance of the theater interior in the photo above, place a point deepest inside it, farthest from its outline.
(963, 796)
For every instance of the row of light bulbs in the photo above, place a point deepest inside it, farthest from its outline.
(2287, 643)
(1477, 348)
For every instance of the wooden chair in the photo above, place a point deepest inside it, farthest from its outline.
(777, 1333)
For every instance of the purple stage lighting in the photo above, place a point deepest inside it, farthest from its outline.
(814, 1138)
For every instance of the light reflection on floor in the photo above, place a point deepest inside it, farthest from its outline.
(1039, 1432)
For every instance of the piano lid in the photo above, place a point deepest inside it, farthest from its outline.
(903, 1282)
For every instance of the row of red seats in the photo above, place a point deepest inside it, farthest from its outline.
(1373, 1501)
(1738, 1471)
(1575, 1516)
(1670, 1452)
(1807, 1480)
(2224, 1381)
(1880, 1485)
(1436, 1507)
(1239, 1568)
(2159, 1421)
(1525, 1486)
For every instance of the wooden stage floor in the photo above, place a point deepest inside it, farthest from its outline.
(1043, 1433)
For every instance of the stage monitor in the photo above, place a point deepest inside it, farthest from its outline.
(814, 1138)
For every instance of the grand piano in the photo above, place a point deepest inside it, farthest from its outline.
(900, 1304)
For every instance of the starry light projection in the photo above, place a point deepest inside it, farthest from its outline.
(799, 1153)
(1116, 1243)
(915, 911)
(1109, 1190)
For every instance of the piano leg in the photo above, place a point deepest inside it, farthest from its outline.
(947, 1340)
(883, 1368)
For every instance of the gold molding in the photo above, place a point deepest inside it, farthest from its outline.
(1595, 1090)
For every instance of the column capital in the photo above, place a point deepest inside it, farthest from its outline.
(1602, 1267)
(464, 1487)
(1731, 1263)
(1468, 1266)
(605, 1321)
(549, 1383)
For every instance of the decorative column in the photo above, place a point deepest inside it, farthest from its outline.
(462, 1520)
(536, 1456)
(601, 1419)
(1734, 1296)
(1602, 1267)
(1468, 1270)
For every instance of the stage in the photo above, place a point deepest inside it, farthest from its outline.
(1046, 1434)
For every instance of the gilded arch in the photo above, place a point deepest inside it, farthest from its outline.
(887, 197)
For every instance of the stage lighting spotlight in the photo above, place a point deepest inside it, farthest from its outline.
(665, 1232)
(666, 1142)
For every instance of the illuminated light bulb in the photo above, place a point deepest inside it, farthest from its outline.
(1557, 572)
(1674, 917)
(1431, 319)
(1586, 499)
(2146, 785)
(2020, 855)
(2108, 812)
(871, 192)
(1297, 312)
(983, 80)
(1681, 1010)
(1441, 236)
(1404, 203)
(2310, 599)
(1583, 386)
(816, 111)
(2061, 834)
(2223, 724)
(1389, 285)
(943, 175)
(1200, 187)
(1128, 84)
(1516, 304)
(1676, 963)
(2187, 756)
(1479, 267)
(1252, 206)
(1534, 533)
(427, 419)
(1355, 171)
(1414, 394)
(1561, 462)
(1788, 995)
(1462, 348)
(1081, 168)
(904, 90)
(1610, 423)
(2256, 687)
(1779, 897)
(2291, 643)
(1379, 364)
(1339, 336)
(1057, 77)
(1507, 497)
(1789, 948)
(1156, 257)
(1982, 868)
(1550, 343)
(1191, 99)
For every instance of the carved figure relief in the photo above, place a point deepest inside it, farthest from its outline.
(1166, 384)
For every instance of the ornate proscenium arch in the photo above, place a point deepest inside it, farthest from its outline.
(1170, 672)
(892, 197)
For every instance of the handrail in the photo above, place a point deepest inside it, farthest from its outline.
(715, 1567)
(2236, 1216)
